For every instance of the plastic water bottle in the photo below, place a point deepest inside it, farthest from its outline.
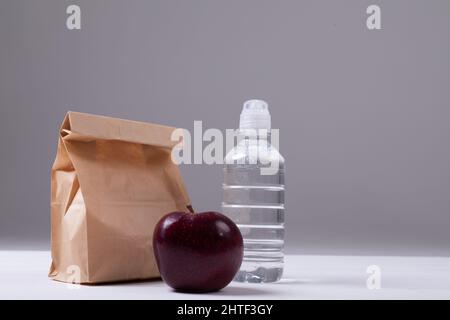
(253, 199)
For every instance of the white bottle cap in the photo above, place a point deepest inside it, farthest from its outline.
(255, 115)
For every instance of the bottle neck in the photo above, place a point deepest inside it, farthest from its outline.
(254, 135)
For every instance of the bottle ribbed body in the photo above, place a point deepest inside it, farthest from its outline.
(255, 202)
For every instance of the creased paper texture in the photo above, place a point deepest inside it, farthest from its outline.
(112, 180)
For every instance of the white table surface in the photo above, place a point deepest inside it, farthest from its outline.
(23, 275)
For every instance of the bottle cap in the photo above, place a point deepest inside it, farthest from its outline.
(255, 115)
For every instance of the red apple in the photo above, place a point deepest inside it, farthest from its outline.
(197, 252)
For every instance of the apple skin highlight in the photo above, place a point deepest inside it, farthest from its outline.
(197, 252)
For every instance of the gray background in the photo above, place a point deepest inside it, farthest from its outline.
(364, 115)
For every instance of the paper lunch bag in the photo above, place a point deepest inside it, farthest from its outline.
(112, 180)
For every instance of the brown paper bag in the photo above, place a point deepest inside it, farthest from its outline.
(112, 180)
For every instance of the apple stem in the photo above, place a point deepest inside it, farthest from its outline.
(190, 208)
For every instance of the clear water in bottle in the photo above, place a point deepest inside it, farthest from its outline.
(255, 201)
